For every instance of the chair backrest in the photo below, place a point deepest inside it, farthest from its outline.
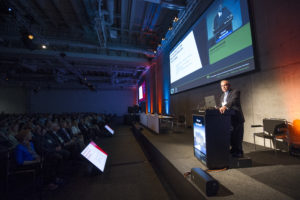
(294, 132)
(274, 126)
(181, 118)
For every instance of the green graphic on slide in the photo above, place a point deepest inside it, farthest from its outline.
(235, 42)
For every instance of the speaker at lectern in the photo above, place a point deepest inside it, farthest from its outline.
(212, 138)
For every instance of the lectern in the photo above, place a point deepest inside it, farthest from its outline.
(212, 137)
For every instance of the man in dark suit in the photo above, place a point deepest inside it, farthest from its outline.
(230, 99)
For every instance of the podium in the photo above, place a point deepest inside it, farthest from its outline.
(212, 137)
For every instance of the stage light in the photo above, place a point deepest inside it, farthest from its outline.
(44, 46)
(175, 19)
(170, 28)
(9, 9)
(163, 39)
(30, 36)
(154, 51)
(159, 45)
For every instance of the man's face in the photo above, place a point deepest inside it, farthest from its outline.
(225, 86)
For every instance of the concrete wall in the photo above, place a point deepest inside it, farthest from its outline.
(274, 89)
(106, 101)
(13, 100)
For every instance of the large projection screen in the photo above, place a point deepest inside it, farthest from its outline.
(218, 46)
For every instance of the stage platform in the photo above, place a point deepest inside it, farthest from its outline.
(272, 175)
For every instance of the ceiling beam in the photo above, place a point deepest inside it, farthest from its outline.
(73, 55)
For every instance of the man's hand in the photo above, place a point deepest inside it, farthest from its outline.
(222, 109)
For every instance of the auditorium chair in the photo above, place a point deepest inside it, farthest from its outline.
(179, 121)
(273, 129)
(12, 169)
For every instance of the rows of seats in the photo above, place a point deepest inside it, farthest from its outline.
(46, 142)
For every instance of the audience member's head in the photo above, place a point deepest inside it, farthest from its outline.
(24, 136)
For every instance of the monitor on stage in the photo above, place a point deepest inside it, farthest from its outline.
(110, 130)
(93, 153)
(199, 138)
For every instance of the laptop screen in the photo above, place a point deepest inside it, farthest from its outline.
(210, 101)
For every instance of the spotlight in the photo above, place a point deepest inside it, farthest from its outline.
(44, 46)
(9, 9)
(30, 36)
(159, 45)
(163, 39)
(175, 19)
(170, 28)
(154, 51)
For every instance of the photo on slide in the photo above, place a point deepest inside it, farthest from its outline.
(223, 18)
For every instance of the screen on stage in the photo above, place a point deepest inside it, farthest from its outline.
(93, 153)
(110, 130)
(218, 46)
(142, 92)
(199, 138)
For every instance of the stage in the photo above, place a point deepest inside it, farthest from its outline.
(272, 176)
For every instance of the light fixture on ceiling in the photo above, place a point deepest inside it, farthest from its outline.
(170, 28)
(163, 39)
(30, 36)
(44, 46)
(154, 51)
(175, 19)
(9, 9)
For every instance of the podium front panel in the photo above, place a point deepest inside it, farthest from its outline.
(216, 130)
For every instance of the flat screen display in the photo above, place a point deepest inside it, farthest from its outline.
(218, 46)
(142, 92)
(199, 138)
(93, 153)
(109, 129)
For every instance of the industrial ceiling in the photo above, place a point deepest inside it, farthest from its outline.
(95, 44)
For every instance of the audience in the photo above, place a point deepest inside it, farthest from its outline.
(52, 140)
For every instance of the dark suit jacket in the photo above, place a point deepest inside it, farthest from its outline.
(234, 103)
(64, 134)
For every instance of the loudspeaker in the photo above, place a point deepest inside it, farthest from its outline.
(239, 162)
(204, 181)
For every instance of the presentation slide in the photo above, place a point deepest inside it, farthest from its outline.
(218, 46)
(184, 59)
(95, 155)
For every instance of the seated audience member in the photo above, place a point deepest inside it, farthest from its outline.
(25, 152)
(7, 139)
(5, 144)
(53, 142)
(77, 133)
(53, 160)
(74, 126)
(70, 142)
(85, 131)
